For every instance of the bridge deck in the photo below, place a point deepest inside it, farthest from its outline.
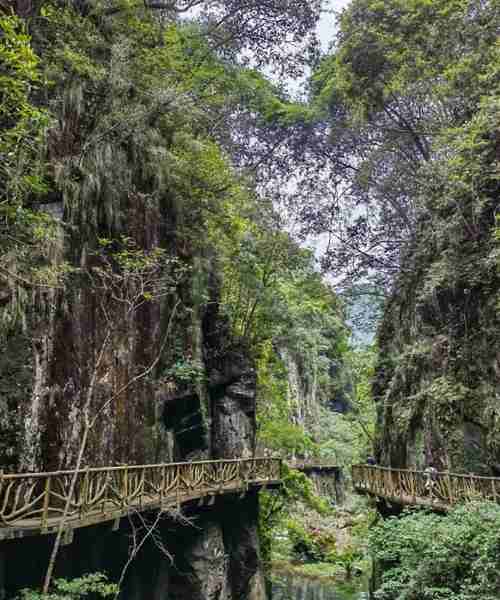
(33, 504)
(416, 488)
(311, 466)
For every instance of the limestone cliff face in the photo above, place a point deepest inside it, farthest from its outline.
(76, 335)
(68, 338)
(45, 378)
(314, 381)
(142, 414)
(438, 378)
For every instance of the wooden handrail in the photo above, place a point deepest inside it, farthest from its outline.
(311, 464)
(440, 489)
(37, 500)
(131, 467)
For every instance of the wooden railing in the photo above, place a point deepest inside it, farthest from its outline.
(441, 490)
(37, 500)
(302, 465)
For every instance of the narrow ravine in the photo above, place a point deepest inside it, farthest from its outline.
(249, 299)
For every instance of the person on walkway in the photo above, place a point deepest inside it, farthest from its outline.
(371, 461)
(430, 479)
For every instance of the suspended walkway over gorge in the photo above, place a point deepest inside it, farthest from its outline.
(35, 503)
(416, 488)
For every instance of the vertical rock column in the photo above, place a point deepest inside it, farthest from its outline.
(240, 518)
(233, 419)
(208, 559)
(3, 595)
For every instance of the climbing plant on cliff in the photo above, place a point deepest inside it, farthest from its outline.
(22, 124)
(29, 238)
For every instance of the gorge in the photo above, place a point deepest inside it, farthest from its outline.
(222, 246)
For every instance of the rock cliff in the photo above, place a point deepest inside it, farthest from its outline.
(438, 378)
(45, 373)
(317, 380)
(130, 339)
(46, 370)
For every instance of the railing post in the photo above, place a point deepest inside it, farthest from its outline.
(162, 485)
(449, 489)
(105, 497)
(46, 498)
(177, 485)
(472, 487)
(242, 474)
(141, 486)
(125, 487)
(84, 492)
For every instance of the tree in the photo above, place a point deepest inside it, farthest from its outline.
(27, 237)
(22, 123)
(401, 77)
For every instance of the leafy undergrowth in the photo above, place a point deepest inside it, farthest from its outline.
(324, 546)
(95, 585)
(424, 556)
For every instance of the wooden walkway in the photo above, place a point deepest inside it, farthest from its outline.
(413, 488)
(313, 465)
(33, 503)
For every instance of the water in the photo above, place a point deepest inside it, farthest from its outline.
(288, 587)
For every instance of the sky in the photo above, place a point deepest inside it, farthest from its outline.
(326, 29)
(326, 32)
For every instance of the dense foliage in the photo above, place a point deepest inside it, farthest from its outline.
(276, 507)
(404, 78)
(170, 113)
(111, 110)
(95, 585)
(21, 122)
(137, 139)
(425, 556)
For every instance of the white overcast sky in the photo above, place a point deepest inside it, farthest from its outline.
(326, 31)
(326, 27)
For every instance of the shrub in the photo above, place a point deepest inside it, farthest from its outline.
(425, 556)
(311, 544)
(96, 585)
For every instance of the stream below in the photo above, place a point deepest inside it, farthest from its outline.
(293, 587)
